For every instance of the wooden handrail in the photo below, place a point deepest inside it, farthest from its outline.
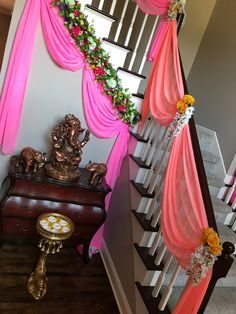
(224, 262)
(198, 154)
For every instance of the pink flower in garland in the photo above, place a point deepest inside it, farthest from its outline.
(76, 12)
(76, 30)
(121, 107)
(99, 71)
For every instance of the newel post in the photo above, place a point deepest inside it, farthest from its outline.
(220, 270)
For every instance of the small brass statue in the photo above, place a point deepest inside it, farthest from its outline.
(67, 149)
(97, 171)
(30, 157)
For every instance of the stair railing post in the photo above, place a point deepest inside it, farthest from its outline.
(220, 270)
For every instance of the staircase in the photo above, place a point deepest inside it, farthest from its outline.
(159, 279)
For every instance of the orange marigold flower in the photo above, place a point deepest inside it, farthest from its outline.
(216, 250)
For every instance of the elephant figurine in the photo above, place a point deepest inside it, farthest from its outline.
(30, 157)
(98, 170)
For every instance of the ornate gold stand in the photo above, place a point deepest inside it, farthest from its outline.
(54, 228)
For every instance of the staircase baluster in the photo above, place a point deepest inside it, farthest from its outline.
(155, 243)
(148, 130)
(131, 26)
(155, 144)
(162, 276)
(157, 171)
(150, 155)
(101, 4)
(156, 217)
(121, 21)
(151, 206)
(147, 146)
(145, 125)
(148, 46)
(160, 255)
(138, 42)
(112, 9)
(169, 289)
(234, 204)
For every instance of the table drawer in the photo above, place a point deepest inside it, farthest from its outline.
(30, 208)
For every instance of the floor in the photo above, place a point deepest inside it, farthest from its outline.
(72, 288)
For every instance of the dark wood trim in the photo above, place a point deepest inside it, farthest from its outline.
(141, 190)
(132, 73)
(148, 259)
(139, 162)
(117, 44)
(146, 224)
(138, 95)
(150, 302)
(101, 12)
(138, 137)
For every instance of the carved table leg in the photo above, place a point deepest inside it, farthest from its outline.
(86, 254)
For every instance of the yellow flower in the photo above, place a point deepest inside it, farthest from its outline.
(93, 66)
(181, 106)
(188, 99)
(216, 250)
(213, 240)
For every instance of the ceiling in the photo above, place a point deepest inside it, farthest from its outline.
(6, 6)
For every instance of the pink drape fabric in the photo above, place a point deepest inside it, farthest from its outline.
(98, 108)
(182, 205)
(183, 211)
(156, 7)
(14, 87)
(59, 41)
(103, 122)
(165, 86)
(191, 298)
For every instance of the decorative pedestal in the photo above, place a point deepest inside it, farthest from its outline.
(54, 228)
(24, 197)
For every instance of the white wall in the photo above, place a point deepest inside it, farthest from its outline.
(51, 93)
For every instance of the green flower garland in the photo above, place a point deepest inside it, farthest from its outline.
(98, 59)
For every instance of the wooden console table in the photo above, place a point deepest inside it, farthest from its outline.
(24, 197)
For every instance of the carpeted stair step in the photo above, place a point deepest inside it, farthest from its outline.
(221, 210)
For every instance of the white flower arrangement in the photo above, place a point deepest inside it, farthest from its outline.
(204, 256)
(201, 261)
(175, 7)
(182, 116)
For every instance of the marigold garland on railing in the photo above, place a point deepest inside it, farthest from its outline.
(185, 110)
(98, 59)
(204, 256)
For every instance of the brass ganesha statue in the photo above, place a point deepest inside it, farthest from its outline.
(67, 149)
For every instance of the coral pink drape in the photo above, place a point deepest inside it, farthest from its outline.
(100, 115)
(183, 211)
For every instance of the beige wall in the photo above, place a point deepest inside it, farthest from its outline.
(198, 15)
(212, 79)
(50, 94)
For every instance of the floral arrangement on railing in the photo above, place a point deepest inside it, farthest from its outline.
(185, 110)
(97, 59)
(204, 256)
(176, 7)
